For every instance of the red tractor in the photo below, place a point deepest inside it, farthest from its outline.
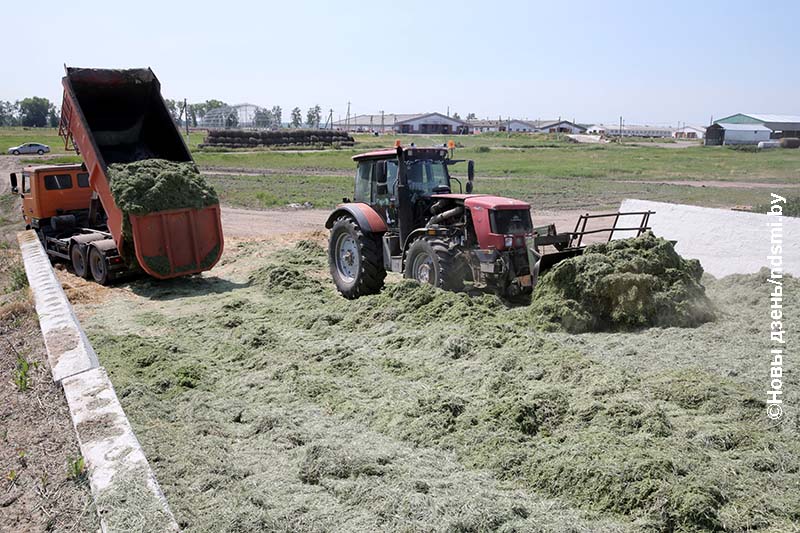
(405, 217)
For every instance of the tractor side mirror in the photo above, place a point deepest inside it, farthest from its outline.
(470, 176)
(14, 189)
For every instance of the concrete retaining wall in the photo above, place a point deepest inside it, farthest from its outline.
(124, 487)
(726, 242)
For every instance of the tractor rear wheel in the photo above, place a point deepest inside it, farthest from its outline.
(355, 260)
(430, 260)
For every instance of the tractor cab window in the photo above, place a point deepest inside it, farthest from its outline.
(425, 176)
(363, 190)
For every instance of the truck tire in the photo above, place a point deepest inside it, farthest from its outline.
(78, 258)
(355, 259)
(98, 266)
(430, 260)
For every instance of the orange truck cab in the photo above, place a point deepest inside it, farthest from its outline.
(53, 190)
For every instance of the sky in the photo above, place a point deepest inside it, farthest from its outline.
(662, 63)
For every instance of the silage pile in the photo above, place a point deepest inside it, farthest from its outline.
(624, 284)
(152, 185)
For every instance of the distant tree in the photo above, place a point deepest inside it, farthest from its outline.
(313, 116)
(264, 118)
(455, 116)
(53, 116)
(471, 116)
(277, 113)
(33, 111)
(174, 110)
(297, 118)
(9, 112)
(232, 119)
(198, 111)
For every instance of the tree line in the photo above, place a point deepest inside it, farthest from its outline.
(263, 118)
(32, 112)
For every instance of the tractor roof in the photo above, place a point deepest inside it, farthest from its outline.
(411, 152)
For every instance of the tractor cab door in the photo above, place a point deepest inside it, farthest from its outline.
(376, 185)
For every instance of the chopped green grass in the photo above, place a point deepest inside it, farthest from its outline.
(291, 408)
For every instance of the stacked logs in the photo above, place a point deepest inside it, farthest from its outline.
(286, 138)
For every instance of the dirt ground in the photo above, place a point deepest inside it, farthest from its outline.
(37, 440)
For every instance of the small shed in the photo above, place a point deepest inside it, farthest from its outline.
(729, 134)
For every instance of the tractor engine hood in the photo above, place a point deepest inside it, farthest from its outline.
(485, 201)
(500, 223)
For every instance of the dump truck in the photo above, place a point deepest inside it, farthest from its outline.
(115, 116)
(405, 217)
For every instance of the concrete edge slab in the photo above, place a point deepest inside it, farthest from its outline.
(124, 487)
(68, 349)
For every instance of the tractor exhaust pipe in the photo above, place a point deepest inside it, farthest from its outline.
(450, 213)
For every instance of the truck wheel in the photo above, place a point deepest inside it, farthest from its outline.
(355, 260)
(98, 266)
(78, 258)
(430, 261)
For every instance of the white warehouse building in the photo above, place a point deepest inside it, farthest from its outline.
(629, 130)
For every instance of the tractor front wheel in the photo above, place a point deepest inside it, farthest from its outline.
(430, 260)
(355, 260)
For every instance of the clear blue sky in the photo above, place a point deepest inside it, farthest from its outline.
(653, 62)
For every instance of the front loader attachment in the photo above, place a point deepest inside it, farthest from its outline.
(570, 244)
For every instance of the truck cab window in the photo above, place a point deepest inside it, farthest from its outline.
(83, 179)
(26, 183)
(57, 182)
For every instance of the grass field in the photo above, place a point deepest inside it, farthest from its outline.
(546, 170)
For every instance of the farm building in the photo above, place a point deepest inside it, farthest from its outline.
(690, 132)
(377, 122)
(630, 130)
(532, 126)
(235, 116)
(779, 125)
(403, 123)
(431, 123)
(483, 126)
(727, 134)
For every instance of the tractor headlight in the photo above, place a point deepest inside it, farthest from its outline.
(508, 242)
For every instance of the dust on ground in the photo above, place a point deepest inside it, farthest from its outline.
(433, 410)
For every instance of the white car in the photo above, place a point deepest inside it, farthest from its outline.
(29, 148)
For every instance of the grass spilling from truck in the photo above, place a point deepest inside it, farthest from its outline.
(260, 393)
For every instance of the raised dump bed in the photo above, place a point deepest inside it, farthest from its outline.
(118, 116)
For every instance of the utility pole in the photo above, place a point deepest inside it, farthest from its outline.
(347, 120)
(383, 127)
(620, 129)
(186, 116)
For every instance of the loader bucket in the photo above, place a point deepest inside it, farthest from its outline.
(177, 242)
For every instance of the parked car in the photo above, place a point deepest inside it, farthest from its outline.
(29, 148)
